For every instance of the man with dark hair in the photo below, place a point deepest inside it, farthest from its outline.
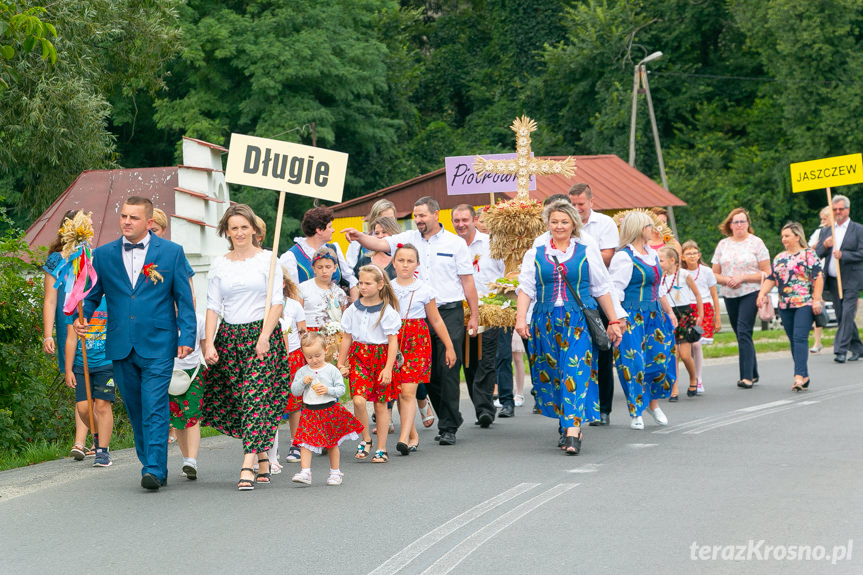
(480, 373)
(849, 261)
(445, 264)
(146, 286)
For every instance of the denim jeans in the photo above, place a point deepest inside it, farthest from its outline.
(797, 323)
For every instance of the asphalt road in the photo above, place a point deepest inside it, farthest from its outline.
(741, 481)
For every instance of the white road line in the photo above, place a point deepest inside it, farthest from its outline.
(451, 559)
(401, 559)
(586, 468)
(642, 445)
(688, 424)
(761, 406)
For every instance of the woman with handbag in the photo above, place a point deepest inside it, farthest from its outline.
(740, 262)
(645, 360)
(566, 278)
(797, 271)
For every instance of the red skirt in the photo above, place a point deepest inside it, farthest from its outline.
(707, 322)
(296, 360)
(366, 361)
(326, 428)
(415, 345)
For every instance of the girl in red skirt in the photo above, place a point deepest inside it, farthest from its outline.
(418, 309)
(324, 423)
(370, 327)
(293, 327)
(705, 280)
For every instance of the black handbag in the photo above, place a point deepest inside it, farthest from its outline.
(591, 316)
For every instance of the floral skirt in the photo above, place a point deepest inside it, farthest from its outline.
(326, 428)
(561, 367)
(366, 361)
(707, 322)
(186, 408)
(244, 397)
(415, 345)
(296, 360)
(646, 358)
(685, 321)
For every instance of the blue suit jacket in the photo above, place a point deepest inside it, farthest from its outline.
(851, 264)
(144, 318)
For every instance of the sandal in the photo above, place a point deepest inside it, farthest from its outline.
(428, 418)
(77, 452)
(246, 484)
(403, 448)
(572, 444)
(363, 450)
(413, 448)
(798, 386)
(263, 478)
(380, 456)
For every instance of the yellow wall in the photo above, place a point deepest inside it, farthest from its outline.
(358, 222)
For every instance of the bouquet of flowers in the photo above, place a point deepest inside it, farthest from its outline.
(331, 328)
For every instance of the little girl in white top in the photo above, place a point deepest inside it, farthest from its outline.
(678, 285)
(293, 322)
(370, 326)
(418, 310)
(321, 295)
(705, 280)
(324, 422)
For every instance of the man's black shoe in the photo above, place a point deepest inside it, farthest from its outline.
(485, 419)
(853, 356)
(447, 438)
(839, 358)
(506, 411)
(150, 481)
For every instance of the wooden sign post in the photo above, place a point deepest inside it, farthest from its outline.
(287, 168)
(827, 173)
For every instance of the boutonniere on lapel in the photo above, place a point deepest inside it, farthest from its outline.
(476, 262)
(150, 272)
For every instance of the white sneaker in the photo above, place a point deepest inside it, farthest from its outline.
(636, 423)
(519, 400)
(699, 389)
(658, 416)
(335, 478)
(497, 403)
(302, 477)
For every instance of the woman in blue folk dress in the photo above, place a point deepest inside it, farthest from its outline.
(646, 361)
(561, 350)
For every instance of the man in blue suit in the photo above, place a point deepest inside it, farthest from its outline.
(146, 285)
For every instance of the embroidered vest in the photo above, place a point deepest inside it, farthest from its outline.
(550, 285)
(304, 264)
(643, 289)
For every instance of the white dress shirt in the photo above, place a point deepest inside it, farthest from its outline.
(485, 268)
(135, 259)
(603, 229)
(237, 290)
(443, 258)
(838, 238)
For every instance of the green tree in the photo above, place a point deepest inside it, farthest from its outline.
(22, 31)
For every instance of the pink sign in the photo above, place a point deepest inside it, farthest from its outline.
(461, 179)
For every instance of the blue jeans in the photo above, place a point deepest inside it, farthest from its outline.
(503, 366)
(797, 323)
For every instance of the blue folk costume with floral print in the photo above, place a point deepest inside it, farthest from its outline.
(562, 370)
(646, 358)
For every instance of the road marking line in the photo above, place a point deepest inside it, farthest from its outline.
(587, 468)
(451, 559)
(761, 406)
(642, 445)
(810, 402)
(401, 559)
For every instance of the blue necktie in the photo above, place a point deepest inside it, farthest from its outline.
(129, 246)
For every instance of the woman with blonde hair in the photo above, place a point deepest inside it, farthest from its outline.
(382, 208)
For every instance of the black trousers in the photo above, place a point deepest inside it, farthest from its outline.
(481, 374)
(847, 337)
(444, 386)
(742, 312)
(605, 373)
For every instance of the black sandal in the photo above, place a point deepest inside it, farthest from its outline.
(246, 484)
(403, 448)
(263, 478)
(692, 390)
(572, 444)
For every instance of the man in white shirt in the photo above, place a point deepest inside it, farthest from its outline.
(446, 266)
(602, 229)
(849, 261)
(479, 373)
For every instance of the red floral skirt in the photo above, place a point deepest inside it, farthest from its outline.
(707, 322)
(296, 360)
(415, 344)
(366, 361)
(326, 428)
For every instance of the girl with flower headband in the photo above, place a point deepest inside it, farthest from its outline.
(418, 310)
(367, 354)
(323, 299)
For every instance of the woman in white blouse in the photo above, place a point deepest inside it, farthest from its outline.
(563, 374)
(247, 384)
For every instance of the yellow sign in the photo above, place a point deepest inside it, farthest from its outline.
(827, 173)
(294, 168)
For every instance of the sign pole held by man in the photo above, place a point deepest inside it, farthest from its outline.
(827, 173)
(287, 168)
